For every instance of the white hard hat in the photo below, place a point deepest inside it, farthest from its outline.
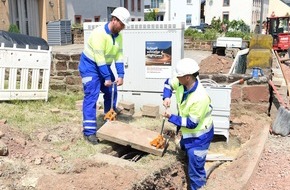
(186, 66)
(122, 14)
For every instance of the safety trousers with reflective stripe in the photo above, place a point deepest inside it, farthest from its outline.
(196, 158)
(92, 87)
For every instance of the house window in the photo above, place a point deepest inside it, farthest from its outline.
(97, 18)
(78, 19)
(133, 19)
(154, 4)
(139, 6)
(189, 2)
(225, 16)
(126, 4)
(188, 19)
(139, 19)
(133, 5)
(226, 3)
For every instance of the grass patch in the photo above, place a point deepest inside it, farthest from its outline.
(28, 115)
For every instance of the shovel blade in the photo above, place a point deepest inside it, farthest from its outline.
(281, 125)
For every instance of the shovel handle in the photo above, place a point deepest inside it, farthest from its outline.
(112, 95)
(162, 127)
(280, 99)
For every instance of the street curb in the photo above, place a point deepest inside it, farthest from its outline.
(257, 145)
(237, 174)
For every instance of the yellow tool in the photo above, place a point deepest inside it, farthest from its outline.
(159, 141)
(111, 114)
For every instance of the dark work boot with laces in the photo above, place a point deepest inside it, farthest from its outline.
(92, 139)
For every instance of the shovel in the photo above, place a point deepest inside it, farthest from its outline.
(281, 123)
(111, 114)
(159, 141)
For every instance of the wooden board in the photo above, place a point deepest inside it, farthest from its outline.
(127, 135)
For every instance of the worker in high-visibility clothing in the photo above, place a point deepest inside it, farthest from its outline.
(194, 118)
(103, 47)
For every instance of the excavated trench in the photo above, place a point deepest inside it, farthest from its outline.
(124, 152)
(173, 177)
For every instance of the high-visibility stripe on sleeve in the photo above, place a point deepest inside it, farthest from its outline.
(183, 121)
(89, 127)
(167, 90)
(101, 63)
(89, 121)
(167, 86)
(200, 153)
(109, 56)
(98, 51)
(194, 119)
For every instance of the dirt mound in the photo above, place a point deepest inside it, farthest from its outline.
(215, 64)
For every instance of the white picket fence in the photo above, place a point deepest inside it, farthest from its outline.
(24, 73)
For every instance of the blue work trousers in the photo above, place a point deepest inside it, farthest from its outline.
(196, 154)
(92, 86)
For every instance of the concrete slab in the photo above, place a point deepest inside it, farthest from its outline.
(128, 135)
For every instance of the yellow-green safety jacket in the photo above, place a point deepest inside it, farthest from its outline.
(101, 50)
(194, 109)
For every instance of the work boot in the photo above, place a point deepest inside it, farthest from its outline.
(92, 139)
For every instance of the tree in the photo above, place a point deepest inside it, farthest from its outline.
(150, 16)
(13, 28)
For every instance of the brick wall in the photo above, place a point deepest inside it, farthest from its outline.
(77, 36)
(197, 45)
(64, 73)
(253, 94)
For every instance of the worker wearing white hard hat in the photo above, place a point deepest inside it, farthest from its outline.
(103, 47)
(193, 119)
(122, 14)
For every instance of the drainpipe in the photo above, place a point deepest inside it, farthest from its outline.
(169, 10)
(58, 10)
(261, 16)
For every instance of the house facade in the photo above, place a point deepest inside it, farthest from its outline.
(247, 10)
(194, 12)
(32, 16)
(188, 11)
(279, 8)
(100, 11)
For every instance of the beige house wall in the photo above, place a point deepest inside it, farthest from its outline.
(279, 8)
(49, 10)
(4, 16)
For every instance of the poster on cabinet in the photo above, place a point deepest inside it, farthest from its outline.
(158, 60)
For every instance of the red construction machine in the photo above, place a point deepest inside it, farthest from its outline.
(279, 28)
